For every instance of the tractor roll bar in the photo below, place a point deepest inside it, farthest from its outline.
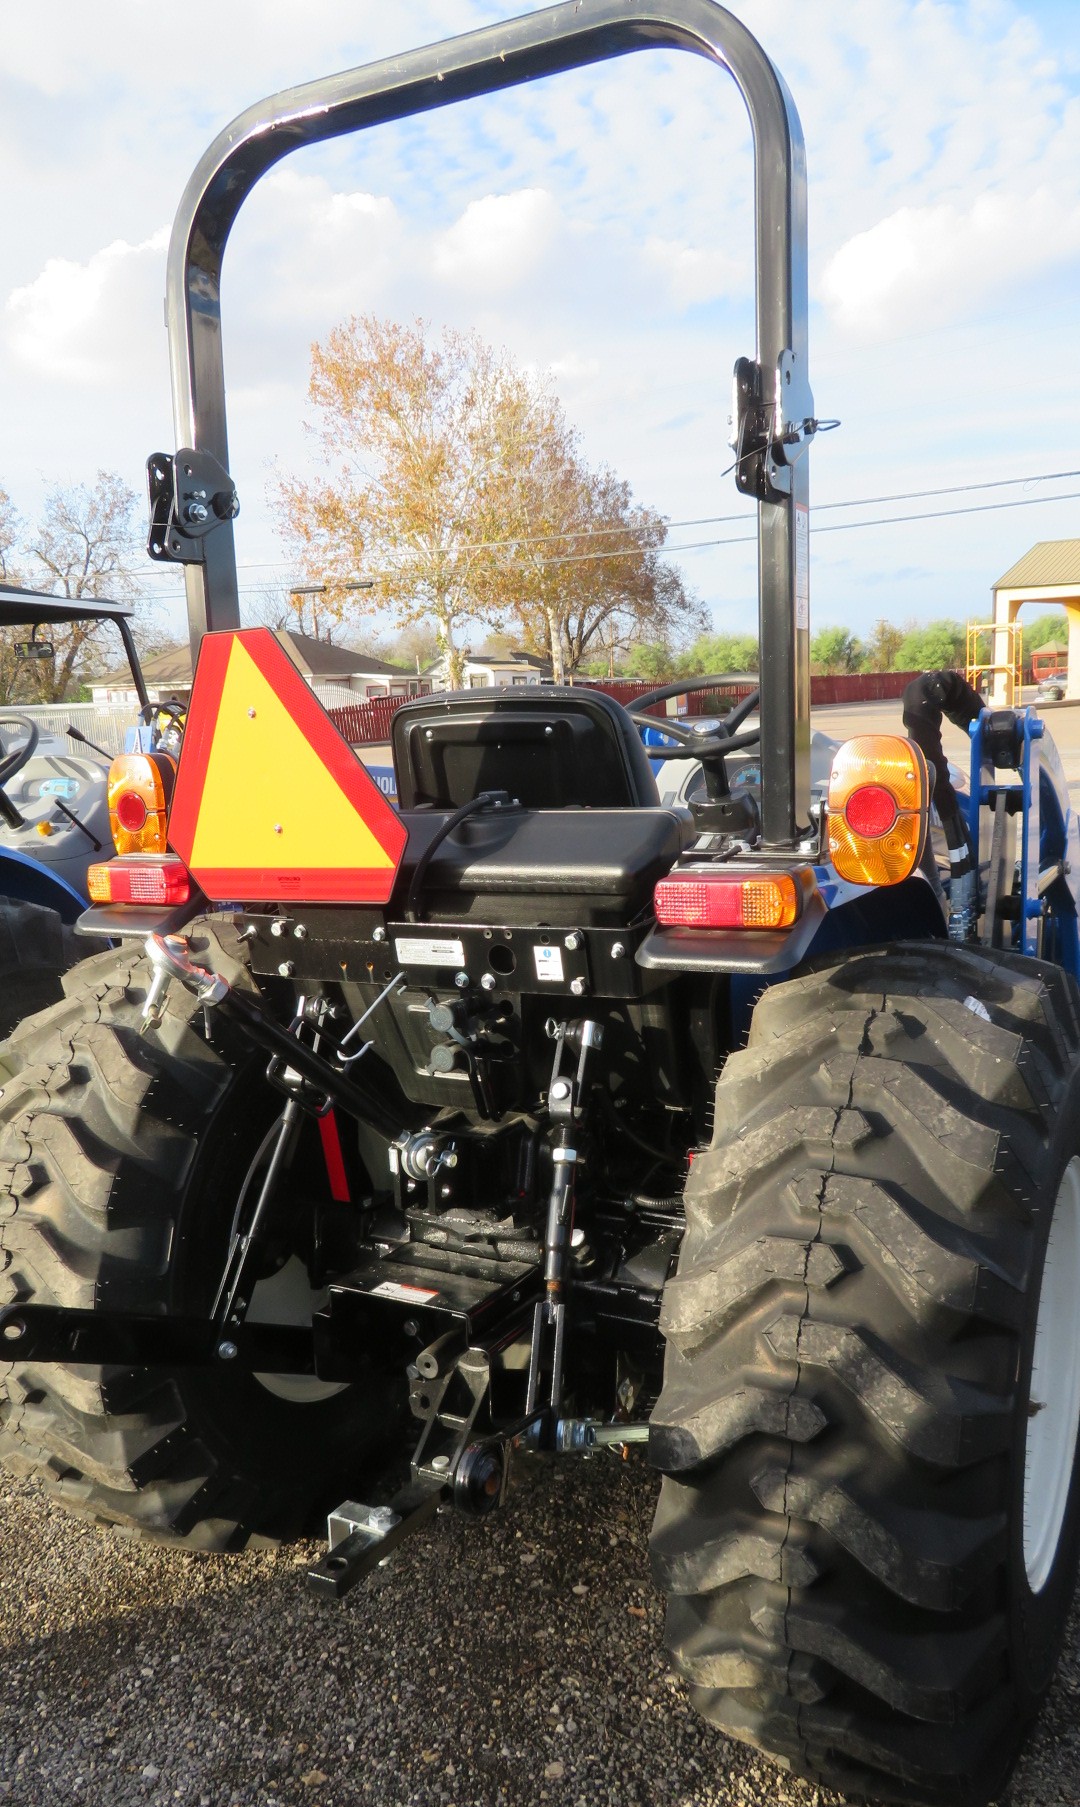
(568, 36)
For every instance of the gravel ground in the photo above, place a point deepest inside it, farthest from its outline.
(495, 1665)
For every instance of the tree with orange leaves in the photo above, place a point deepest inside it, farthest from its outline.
(456, 488)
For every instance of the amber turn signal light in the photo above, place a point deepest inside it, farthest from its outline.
(140, 789)
(878, 809)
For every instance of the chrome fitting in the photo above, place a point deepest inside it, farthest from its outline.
(169, 957)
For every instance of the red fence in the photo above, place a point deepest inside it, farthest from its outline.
(368, 724)
(846, 687)
(705, 702)
(861, 686)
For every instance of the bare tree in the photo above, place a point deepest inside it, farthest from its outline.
(10, 536)
(587, 575)
(85, 545)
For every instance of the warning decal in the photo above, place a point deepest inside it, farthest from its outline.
(270, 800)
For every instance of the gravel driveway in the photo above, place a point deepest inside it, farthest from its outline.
(500, 1665)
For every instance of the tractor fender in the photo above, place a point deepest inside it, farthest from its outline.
(28, 881)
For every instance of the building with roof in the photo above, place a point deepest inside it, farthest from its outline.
(169, 673)
(1048, 574)
(489, 666)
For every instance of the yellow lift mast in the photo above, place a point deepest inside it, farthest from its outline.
(980, 669)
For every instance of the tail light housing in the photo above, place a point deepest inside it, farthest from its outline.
(722, 899)
(140, 791)
(140, 879)
(878, 809)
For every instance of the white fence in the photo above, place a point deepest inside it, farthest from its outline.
(107, 725)
(104, 725)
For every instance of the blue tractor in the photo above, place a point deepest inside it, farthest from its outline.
(544, 1116)
(54, 815)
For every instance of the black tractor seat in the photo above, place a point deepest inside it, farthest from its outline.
(551, 746)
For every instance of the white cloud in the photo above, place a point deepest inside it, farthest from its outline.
(499, 242)
(922, 267)
(597, 224)
(311, 253)
(693, 274)
(81, 322)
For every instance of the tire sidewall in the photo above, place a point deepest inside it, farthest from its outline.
(1037, 1620)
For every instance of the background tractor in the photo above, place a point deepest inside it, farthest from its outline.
(380, 1147)
(54, 815)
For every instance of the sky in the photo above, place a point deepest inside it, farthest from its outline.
(598, 226)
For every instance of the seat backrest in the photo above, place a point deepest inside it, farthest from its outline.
(551, 747)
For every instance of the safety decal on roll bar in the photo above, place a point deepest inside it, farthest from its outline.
(802, 565)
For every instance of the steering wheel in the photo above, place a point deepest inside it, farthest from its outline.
(12, 763)
(710, 746)
(175, 713)
(703, 746)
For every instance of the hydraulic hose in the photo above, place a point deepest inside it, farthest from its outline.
(926, 700)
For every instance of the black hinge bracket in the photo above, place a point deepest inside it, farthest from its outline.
(190, 495)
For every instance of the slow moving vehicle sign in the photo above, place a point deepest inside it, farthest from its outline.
(268, 791)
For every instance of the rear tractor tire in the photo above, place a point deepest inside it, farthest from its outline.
(122, 1158)
(868, 1527)
(36, 949)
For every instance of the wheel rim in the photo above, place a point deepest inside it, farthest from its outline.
(284, 1297)
(288, 1297)
(1054, 1398)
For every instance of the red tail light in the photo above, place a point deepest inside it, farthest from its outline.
(727, 900)
(140, 879)
(871, 810)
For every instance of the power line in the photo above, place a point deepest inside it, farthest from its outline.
(956, 489)
(721, 520)
(750, 539)
(940, 514)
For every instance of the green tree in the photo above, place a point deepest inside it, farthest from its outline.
(721, 654)
(936, 646)
(835, 649)
(1044, 628)
(653, 660)
(881, 649)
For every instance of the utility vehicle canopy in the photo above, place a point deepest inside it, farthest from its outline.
(31, 608)
(34, 609)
